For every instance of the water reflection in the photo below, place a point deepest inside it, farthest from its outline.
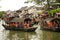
(38, 35)
(17, 35)
(49, 35)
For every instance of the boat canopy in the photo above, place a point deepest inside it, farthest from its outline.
(52, 19)
(28, 19)
(17, 20)
(48, 19)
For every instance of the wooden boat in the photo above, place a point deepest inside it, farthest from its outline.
(52, 24)
(30, 29)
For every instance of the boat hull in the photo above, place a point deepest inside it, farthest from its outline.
(31, 29)
(56, 29)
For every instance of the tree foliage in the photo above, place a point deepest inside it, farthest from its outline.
(58, 1)
(1, 13)
(54, 11)
(35, 1)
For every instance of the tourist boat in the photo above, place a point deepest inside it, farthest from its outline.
(51, 24)
(20, 27)
(30, 29)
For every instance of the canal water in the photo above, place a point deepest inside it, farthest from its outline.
(19, 35)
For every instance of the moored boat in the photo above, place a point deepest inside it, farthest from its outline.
(52, 24)
(30, 29)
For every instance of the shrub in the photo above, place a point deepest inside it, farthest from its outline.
(1, 13)
(52, 12)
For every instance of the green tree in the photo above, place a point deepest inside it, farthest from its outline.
(40, 1)
(58, 1)
(35, 1)
(1, 13)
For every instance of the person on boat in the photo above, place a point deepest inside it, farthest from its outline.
(33, 20)
(49, 23)
(20, 25)
(17, 24)
(10, 24)
(55, 24)
(26, 24)
(14, 24)
(36, 20)
(32, 23)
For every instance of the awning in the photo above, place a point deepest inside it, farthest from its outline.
(17, 20)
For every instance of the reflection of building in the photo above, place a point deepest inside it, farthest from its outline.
(48, 35)
(17, 35)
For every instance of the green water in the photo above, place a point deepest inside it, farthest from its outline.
(38, 35)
